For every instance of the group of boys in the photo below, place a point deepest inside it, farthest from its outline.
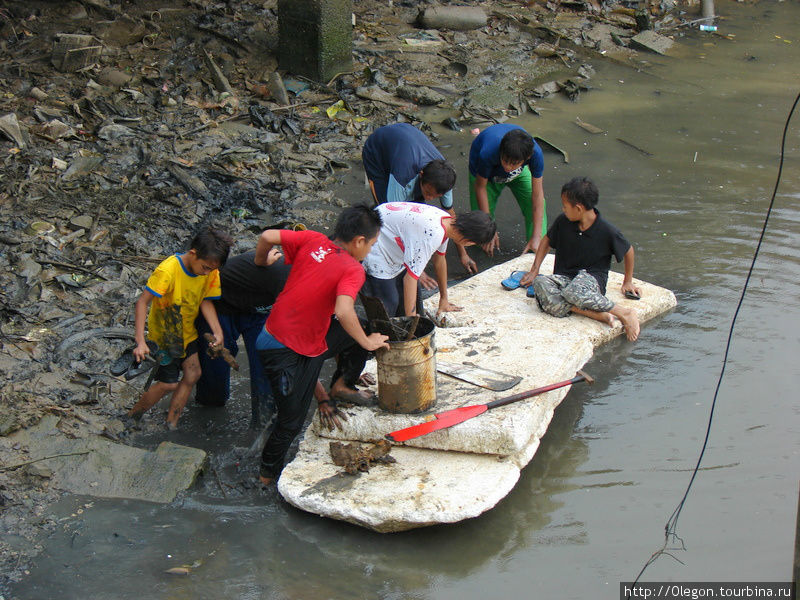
(296, 308)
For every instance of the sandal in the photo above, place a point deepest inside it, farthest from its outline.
(123, 363)
(512, 281)
(138, 368)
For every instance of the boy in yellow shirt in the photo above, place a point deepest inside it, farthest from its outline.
(181, 286)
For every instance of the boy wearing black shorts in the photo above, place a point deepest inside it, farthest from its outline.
(182, 286)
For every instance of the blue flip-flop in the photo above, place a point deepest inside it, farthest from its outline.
(531, 293)
(512, 281)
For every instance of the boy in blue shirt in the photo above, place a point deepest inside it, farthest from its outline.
(402, 165)
(584, 243)
(506, 155)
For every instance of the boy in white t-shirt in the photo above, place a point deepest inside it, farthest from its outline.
(411, 234)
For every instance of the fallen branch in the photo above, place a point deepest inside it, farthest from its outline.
(64, 265)
(635, 147)
(30, 462)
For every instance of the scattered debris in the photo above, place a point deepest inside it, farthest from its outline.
(635, 147)
(356, 458)
(588, 126)
(651, 41)
(220, 352)
(455, 18)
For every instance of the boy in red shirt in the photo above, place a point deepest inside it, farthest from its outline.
(312, 320)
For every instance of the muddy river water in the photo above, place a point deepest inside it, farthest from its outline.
(591, 506)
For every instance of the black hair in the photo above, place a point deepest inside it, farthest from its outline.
(581, 190)
(516, 146)
(212, 244)
(440, 174)
(356, 220)
(476, 226)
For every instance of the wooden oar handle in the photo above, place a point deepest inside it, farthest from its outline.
(581, 376)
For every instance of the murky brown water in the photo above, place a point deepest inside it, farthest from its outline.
(591, 507)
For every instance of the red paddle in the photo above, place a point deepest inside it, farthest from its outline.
(448, 418)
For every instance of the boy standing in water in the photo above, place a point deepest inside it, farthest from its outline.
(584, 243)
(182, 286)
(312, 320)
(505, 155)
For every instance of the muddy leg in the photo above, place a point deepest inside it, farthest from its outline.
(151, 397)
(191, 373)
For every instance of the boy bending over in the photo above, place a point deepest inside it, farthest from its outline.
(312, 320)
(179, 288)
(584, 243)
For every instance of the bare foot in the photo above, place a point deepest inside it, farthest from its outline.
(630, 320)
(265, 480)
(353, 396)
(172, 426)
(608, 319)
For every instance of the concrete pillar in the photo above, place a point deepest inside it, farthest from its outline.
(315, 37)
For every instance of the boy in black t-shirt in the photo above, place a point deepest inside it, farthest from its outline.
(584, 243)
(248, 292)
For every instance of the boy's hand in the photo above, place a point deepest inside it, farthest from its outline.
(427, 282)
(141, 351)
(627, 286)
(528, 278)
(532, 245)
(446, 306)
(273, 255)
(470, 266)
(492, 245)
(329, 415)
(376, 341)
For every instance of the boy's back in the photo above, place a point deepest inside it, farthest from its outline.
(321, 271)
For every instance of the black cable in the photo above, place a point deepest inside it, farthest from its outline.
(671, 526)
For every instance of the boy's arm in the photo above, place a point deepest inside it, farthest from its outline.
(537, 205)
(410, 294)
(541, 252)
(469, 265)
(210, 315)
(346, 314)
(140, 318)
(483, 204)
(627, 281)
(268, 239)
(440, 267)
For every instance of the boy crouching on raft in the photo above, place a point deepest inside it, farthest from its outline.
(180, 287)
(584, 243)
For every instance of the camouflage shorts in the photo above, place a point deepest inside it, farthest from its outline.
(557, 294)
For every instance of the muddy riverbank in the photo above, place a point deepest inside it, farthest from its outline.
(192, 159)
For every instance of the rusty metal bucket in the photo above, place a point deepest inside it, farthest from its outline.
(407, 371)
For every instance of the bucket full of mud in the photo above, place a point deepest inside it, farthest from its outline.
(407, 370)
